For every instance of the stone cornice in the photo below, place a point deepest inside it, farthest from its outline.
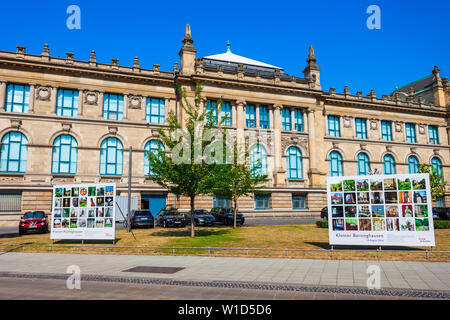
(392, 143)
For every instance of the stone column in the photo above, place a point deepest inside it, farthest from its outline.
(270, 118)
(32, 97)
(100, 104)
(233, 115)
(80, 102)
(166, 107)
(55, 98)
(292, 119)
(257, 115)
(279, 174)
(305, 121)
(240, 137)
(125, 106)
(2, 95)
(314, 173)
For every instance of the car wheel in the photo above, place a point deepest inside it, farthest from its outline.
(241, 223)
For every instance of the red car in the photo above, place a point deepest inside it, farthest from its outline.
(35, 221)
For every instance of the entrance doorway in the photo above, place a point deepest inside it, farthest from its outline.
(153, 202)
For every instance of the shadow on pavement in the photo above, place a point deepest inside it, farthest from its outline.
(326, 245)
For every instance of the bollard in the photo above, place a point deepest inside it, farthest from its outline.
(209, 250)
(286, 252)
(246, 251)
(378, 253)
(331, 252)
(173, 250)
(426, 254)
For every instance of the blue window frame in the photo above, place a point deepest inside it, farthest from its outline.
(67, 103)
(111, 157)
(388, 164)
(263, 117)
(250, 116)
(298, 120)
(286, 119)
(155, 110)
(335, 164)
(410, 132)
(152, 147)
(258, 160)
(17, 98)
(298, 201)
(225, 114)
(14, 153)
(361, 128)
(211, 109)
(64, 158)
(294, 163)
(386, 130)
(413, 165)
(433, 134)
(222, 201)
(262, 201)
(334, 128)
(112, 106)
(440, 202)
(437, 165)
(363, 164)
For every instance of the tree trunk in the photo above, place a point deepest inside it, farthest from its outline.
(235, 212)
(192, 217)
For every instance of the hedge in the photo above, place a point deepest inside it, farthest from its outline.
(322, 223)
(441, 224)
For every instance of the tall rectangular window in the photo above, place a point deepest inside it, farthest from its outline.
(361, 128)
(112, 106)
(67, 103)
(298, 120)
(386, 130)
(222, 201)
(298, 201)
(17, 98)
(155, 111)
(263, 117)
(211, 110)
(410, 132)
(334, 129)
(250, 116)
(286, 119)
(225, 114)
(433, 134)
(262, 201)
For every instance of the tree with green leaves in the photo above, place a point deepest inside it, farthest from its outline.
(437, 183)
(237, 178)
(182, 170)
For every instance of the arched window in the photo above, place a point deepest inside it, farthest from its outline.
(64, 159)
(388, 164)
(336, 164)
(413, 165)
(111, 157)
(363, 164)
(258, 160)
(14, 153)
(294, 163)
(152, 146)
(437, 165)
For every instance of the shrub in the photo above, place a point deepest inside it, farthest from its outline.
(322, 224)
(441, 224)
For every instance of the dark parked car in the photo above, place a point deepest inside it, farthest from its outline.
(33, 221)
(201, 218)
(170, 218)
(142, 218)
(226, 216)
(441, 213)
(324, 213)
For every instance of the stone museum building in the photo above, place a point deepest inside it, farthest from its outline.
(66, 121)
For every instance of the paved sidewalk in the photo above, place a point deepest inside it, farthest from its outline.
(394, 274)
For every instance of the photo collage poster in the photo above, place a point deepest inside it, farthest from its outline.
(380, 203)
(84, 207)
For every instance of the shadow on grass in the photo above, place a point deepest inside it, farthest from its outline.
(66, 241)
(187, 233)
(326, 245)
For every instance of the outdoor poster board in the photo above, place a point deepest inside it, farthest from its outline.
(84, 211)
(388, 210)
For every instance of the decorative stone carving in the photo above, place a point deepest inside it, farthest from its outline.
(16, 123)
(363, 146)
(135, 102)
(91, 97)
(69, 57)
(398, 126)
(113, 130)
(413, 150)
(335, 145)
(43, 93)
(422, 128)
(66, 126)
(373, 124)
(294, 140)
(347, 121)
(389, 148)
(436, 151)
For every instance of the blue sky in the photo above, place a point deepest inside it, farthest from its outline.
(412, 39)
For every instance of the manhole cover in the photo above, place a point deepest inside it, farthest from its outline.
(145, 269)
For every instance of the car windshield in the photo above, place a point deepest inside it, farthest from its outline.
(198, 212)
(228, 210)
(34, 215)
(142, 213)
(171, 213)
